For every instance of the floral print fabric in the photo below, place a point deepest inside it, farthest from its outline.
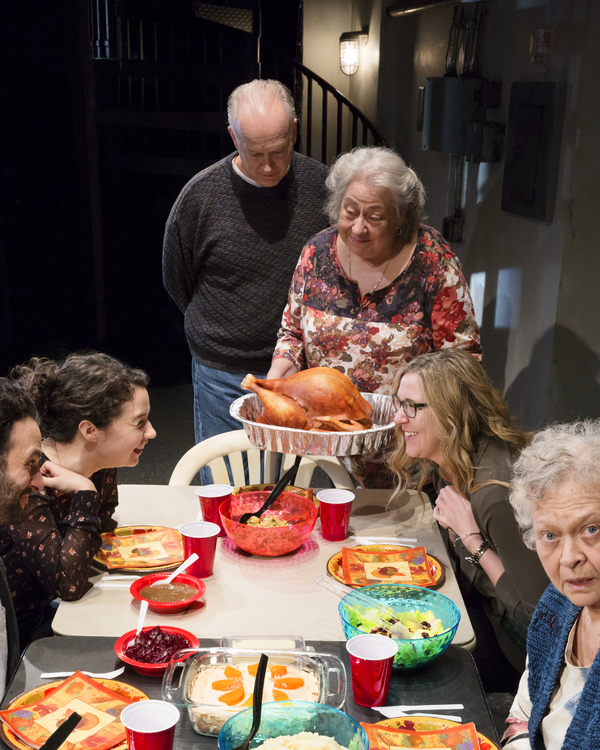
(328, 324)
(50, 553)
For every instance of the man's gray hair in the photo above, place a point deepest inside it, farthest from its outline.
(259, 96)
(380, 168)
(559, 454)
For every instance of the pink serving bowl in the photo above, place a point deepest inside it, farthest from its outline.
(152, 670)
(299, 512)
(168, 608)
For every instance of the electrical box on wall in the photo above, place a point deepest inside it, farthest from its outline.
(454, 118)
(533, 139)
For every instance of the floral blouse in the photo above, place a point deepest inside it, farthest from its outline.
(328, 324)
(50, 553)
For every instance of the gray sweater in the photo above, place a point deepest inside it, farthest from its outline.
(229, 254)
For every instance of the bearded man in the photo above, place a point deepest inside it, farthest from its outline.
(20, 453)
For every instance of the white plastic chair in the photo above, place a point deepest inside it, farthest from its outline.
(211, 453)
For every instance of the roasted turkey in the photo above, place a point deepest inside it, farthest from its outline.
(320, 399)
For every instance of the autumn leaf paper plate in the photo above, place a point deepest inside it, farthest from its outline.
(364, 566)
(408, 726)
(457, 737)
(157, 547)
(98, 706)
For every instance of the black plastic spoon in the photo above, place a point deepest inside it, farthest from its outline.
(287, 478)
(58, 737)
(259, 683)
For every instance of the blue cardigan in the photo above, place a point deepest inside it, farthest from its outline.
(546, 642)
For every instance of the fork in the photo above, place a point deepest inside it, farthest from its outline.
(101, 675)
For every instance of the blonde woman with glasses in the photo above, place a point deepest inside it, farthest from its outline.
(450, 416)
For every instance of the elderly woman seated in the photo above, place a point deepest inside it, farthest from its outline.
(377, 288)
(556, 497)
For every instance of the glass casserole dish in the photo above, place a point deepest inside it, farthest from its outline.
(215, 683)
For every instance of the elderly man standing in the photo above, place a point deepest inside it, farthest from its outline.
(231, 244)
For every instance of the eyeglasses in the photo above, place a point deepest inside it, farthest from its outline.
(410, 408)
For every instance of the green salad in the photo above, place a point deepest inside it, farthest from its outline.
(413, 631)
(414, 624)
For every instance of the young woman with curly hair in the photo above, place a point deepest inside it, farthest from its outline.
(94, 416)
(450, 416)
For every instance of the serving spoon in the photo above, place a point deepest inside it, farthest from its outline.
(287, 478)
(378, 613)
(140, 623)
(185, 564)
(259, 682)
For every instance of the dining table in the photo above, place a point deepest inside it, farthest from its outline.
(251, 595)
(275, 599)
(450, 678)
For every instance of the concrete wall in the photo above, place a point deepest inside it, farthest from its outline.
(323, 25)
(364, 84)
(324, 22)
(575, 386)
(546, 351)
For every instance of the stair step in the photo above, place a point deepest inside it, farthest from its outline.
(159, 165)
(200, 122)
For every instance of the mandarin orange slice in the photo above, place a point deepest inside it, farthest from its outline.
(223, 685)
(278, 670)
(279, 695)
(289, 683)
(252, 669)
(232, 672)
(248, 703)
(233, 697)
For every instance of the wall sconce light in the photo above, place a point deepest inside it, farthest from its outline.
(350, 50)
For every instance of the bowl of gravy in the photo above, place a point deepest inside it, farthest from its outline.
(168, 598)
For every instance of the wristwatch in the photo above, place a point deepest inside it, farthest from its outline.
(474, 558)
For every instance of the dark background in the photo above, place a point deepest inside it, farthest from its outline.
(80, 237)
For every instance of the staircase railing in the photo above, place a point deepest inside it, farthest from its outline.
(145, 85)
(311, 92)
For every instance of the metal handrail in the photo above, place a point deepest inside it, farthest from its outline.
(340, 127)
(370, 133)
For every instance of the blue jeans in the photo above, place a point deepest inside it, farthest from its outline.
(214, 392)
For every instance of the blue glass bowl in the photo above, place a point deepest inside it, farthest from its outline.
(403, 598)
(293, 717)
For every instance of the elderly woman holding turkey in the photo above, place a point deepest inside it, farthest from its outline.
(377, 288)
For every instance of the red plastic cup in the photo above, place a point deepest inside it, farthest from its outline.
(371, 661)
(200, 537)
(335, 507)
(211, 496)
(150, 725)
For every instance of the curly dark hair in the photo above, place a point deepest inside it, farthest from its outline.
(86, 386)
(15, 405)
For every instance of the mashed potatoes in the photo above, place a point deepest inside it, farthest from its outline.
(302, 741)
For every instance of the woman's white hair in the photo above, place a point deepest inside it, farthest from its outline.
(259, 96)
(560, 453)
(380, 168)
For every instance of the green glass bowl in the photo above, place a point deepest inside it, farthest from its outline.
(403, 598)
(293, 717)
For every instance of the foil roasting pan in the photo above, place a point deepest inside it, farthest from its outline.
(303, 442)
